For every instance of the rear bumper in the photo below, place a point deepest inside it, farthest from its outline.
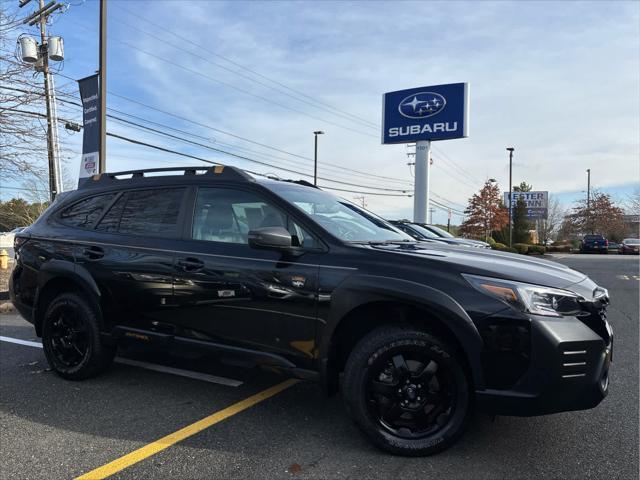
(569, 370)
(26, 311)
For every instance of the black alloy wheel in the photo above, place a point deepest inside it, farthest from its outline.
(410, 393)
(407, 390)
(71, 338)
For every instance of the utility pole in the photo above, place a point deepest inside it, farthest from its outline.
(102, 163)
(421, 186)
(431, 210)
(510, 150)
(449, 220)
(40, 16)
(315, 155)
(361, 200)
(589, 199)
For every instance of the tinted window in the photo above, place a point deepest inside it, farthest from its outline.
(84, 213)
(223, 215)
(145, 212)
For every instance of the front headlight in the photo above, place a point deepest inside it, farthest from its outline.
(535, 299)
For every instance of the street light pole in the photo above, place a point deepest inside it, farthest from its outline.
(510, 150)
(588, 198)
(315, 156)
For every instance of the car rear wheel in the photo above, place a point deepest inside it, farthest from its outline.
(71, 338)
(407, 391)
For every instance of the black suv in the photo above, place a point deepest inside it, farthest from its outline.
(289, 276)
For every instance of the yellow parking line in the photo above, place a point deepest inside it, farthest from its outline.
(186, 432)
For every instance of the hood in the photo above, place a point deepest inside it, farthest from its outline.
(489, 263)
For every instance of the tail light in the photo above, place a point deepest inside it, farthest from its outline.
(606, 243)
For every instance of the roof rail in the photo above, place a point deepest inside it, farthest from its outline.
(220, 172)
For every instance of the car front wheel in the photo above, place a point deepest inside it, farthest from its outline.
(71, 338)
(407, 390)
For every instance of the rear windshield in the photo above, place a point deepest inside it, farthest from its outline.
(593, 237)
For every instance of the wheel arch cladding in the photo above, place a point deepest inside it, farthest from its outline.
(56, 277)
(365, 302)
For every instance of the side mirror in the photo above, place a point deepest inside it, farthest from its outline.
(273, 238)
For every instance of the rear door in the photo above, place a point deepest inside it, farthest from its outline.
(230, 292)
(130, 254)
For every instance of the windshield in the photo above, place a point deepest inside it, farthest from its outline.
(440, 232)
(339, 217)
(426, 233)
(631, 241)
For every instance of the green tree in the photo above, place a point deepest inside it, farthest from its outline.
(521, 224)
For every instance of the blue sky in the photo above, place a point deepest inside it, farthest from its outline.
(559, 81)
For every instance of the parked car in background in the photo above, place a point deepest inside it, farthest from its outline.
(419, 232)
(613, 247)
(444, 234)
(629, 246)
(594, 243)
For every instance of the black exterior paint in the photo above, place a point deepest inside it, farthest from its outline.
(283, 308)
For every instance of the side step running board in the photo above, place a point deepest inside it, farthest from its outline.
(165, 339)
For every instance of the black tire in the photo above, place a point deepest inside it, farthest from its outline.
(369, 385)
(71, 338)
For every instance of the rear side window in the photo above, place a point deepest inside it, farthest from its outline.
(85, 213)
(145, 212)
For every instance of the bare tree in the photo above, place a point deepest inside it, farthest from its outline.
(23, 142)
(23, 130)
(548, 228)
(633, 203)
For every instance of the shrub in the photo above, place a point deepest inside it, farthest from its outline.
(536, 249)
(503, 248)
(559, 248)
(491, 241)
(521, 248)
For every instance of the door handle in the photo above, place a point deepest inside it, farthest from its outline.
(190, 264)
(93, 253)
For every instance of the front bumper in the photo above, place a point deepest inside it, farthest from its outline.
(568, 369)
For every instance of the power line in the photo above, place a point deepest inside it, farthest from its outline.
(247, 158)
(243, 67)
(193, 122)
(167, 150)
(232, 86)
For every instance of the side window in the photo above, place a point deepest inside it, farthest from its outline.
(83, 214)
(223, 215)
(145, 212)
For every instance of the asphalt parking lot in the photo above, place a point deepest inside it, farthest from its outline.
(52, 428)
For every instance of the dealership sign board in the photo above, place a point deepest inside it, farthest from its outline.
(438, 112)
(537, 203)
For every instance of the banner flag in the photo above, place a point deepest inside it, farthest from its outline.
(91, 130)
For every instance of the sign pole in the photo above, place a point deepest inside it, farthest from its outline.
(102, 159)
(421, 186)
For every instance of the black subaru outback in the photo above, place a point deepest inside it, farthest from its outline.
(414, 334)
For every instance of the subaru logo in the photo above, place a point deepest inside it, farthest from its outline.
(422, 105)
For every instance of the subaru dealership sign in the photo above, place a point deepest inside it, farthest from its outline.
(537, 203)
(439, 112)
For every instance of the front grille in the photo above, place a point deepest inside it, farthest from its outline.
(594, 316)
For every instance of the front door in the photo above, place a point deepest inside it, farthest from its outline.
(233, 293)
